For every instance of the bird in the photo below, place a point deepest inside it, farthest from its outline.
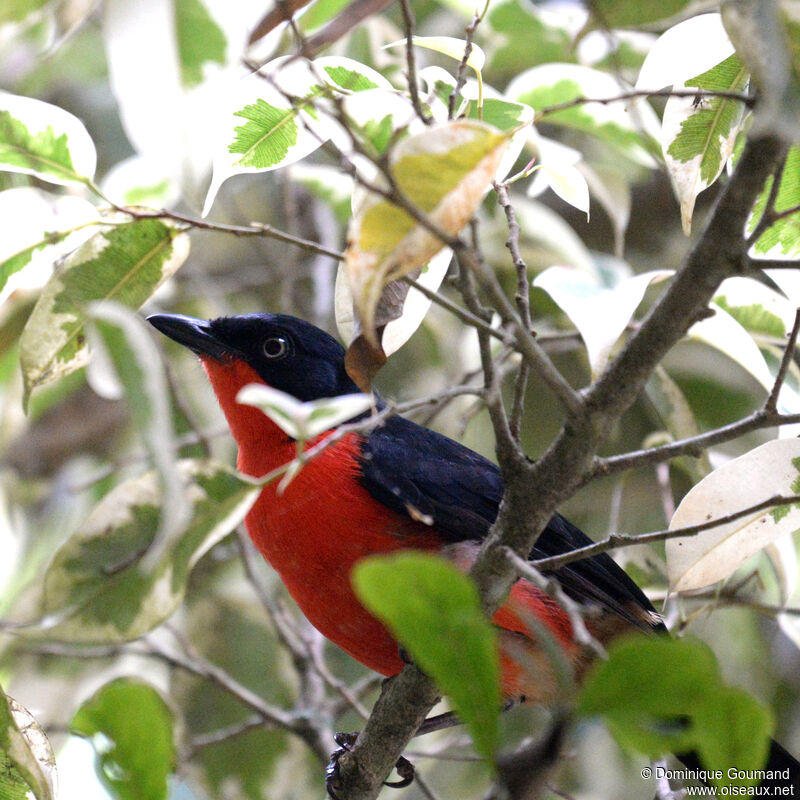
(393, 487)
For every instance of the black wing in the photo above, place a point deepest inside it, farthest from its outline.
(414, 470)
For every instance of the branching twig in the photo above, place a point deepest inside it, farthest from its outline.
(746, 99)
(616, 540)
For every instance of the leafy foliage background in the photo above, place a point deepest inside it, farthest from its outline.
(106, 65)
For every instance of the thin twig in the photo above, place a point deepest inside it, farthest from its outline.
(771, 403)
(580, 632)
(410, 23)
(616, 540)
(522, 298)
(745, 99)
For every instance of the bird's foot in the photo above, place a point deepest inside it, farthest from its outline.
(333, 780)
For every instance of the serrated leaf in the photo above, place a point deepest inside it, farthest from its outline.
(756, 307)
(434, 611)
(37, 138)
(599, 313)
(444, 171)
(200, 40)
(782, 238)
(125, 262)
(131, 728)
(630, 130)
(769, 470)
(698, 137)
(96, 589)
(684, 51)
(686, 708)
(26, 757)
(262, 129)
(303, 420)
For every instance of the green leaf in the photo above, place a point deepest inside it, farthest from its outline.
(549, 85)
(18, 10)
(125, 262)
(27, 762)
(349, 79)
(503, 114)
(526, 38)
(631, 13)
(277, 132)
(782, 238)
(37, 138)
(434, 611)
(698, 137)
(97, 589)
(200, 40)
(131, 728)
(686, 706)
(266, 137)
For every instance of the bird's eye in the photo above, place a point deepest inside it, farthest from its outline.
(275, 347)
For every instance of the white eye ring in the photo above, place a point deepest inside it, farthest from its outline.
(275, 347)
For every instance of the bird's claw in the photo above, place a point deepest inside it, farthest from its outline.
(333, 781)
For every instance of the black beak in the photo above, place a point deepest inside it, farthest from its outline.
(192, 333)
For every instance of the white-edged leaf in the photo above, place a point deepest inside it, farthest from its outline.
(769, 470)
(613, 193)
(263, 127)
(558, 168)
(38, 138)
(599, 313)
(633, 130)
(444, 171)
(545, 238)
(303, 420)
(120, 339)
(125, 262)
(448, 46)
(141, 181)
(782, 555)
(45, 227)
(97, 590)
(685, 50)
(725, 334)
(415, 306)
(26, 757)
(697, 138)
(756, 307)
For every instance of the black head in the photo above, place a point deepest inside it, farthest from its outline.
(287, 353)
